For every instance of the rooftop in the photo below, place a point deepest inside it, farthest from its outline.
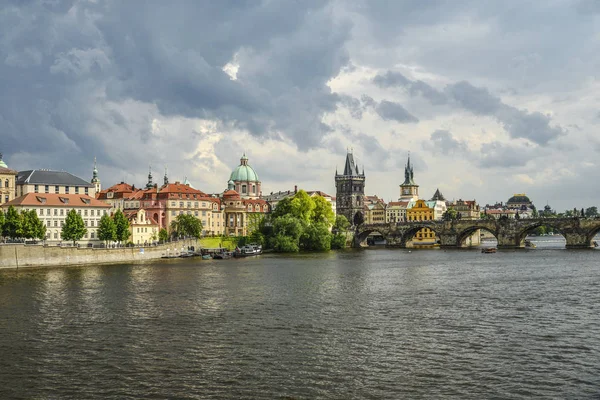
(56, 200)
(47, 177)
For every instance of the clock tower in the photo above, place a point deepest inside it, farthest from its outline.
(409, 190)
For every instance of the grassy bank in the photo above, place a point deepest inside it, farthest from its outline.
(216, 242)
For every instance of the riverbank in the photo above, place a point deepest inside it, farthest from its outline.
(24, 256)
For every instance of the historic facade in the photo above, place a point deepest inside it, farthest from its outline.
(52, 210)
(350, 190)
(143, 229)
(421, 212)
(374, 210)
(7, 182)
(245, 180)
(55, 182)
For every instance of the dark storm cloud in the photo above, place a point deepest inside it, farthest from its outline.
(62, 64)
(479, 101)
(389, 110)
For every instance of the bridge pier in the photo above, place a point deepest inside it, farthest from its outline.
(578, 241)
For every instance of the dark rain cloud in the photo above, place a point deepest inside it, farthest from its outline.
(443, 142)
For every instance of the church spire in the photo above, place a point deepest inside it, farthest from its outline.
(149, 185)
(95, 180)
(166, 178)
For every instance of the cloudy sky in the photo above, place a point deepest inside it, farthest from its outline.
(490, 97)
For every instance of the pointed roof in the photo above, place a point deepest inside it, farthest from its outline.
(438, 196)
(409, 175)
(351, 168)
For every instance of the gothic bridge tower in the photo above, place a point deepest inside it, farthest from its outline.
(350, 190)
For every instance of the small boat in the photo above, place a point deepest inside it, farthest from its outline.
(530, 244)
(489, 250)
(206, 257)
(248, 250)
(222, 255)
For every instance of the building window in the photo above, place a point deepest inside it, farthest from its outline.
(173, 204)
(189, 204)
(41, 211)
(48, 223)
(195, 204)
(55, 223)
(87, 192)
(56, 189)
(85, 212)
(93, 235)
(203, 205)
(55, 235)
(76, 189)
(196, 213)
(253, 188)
(204, 213)
(35, 187)
(244, 189)
(92, 213)
(47, 189)
(181, 204)
(66, 190)
(173, 212)
(62, 212)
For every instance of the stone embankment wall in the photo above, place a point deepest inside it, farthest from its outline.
(20, 256)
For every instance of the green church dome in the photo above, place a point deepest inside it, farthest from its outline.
(244, 172)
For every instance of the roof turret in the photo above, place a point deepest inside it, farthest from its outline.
(149, 185)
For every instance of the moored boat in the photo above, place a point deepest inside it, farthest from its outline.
(248, 250)
(489, 250)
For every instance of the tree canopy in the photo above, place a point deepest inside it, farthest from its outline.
(74, 228)
(301, 222)
(187, 225)
(163, 235)
(107, 230)
(12, 224)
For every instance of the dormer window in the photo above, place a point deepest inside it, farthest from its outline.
(41, 199)
(86, 201)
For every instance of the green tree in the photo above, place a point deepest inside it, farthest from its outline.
(316, 237)
(284, 207)
(107, 230)
(284, 244)
(37, 227)
(12, 223)
(74, 228)
(163, 235)
(450, 215)
(121, 226)
(322, 212)
(254, 221)
(338, 241)
(1, 223)
(27, 230)
(341, 223)
(187, 225)
(303, 206)
(591, 212)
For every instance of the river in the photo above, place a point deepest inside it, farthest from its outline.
(369, 324)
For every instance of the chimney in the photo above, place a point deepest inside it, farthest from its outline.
(295, 188)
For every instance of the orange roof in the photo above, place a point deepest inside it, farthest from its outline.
(230, 193)
(130, 215)
(398, 203)
(56, 200)
(180, 188)
(318, 192)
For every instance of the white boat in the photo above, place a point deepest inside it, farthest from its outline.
(248, 250)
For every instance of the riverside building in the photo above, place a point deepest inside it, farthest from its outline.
(7, 182)
(52, 210)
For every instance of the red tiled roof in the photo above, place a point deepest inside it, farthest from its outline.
(398, 203)
(56, 200)
(180, 188)
(230, 193)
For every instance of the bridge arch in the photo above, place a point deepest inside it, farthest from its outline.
(360, 236)
(527, 229)
(410, 233)
(462, 236)
(591, 234)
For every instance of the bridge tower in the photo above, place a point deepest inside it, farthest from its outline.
(409, 190)
(350, 190)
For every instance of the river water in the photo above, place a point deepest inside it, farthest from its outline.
(370, 324)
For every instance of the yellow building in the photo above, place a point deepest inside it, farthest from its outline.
(421, 212)
(7, 182)
(144, 230)
(374, 210)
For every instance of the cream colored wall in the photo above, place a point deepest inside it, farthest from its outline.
(29, 188)
(55, 222)
(7, 191)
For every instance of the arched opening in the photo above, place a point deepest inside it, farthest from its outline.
(543, 235)
(594, 238)
(476, 236)
(420, 236)
(370, 238)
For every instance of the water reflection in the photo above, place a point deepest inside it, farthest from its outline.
(356, 324)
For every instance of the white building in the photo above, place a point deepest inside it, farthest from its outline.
(52, 210)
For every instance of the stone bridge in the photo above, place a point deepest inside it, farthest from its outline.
(510, 233)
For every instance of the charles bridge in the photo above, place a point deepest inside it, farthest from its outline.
(510, 233)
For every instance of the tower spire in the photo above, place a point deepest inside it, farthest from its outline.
(149, 185)
(166, 178)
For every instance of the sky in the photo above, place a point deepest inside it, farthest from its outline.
(490, 98)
